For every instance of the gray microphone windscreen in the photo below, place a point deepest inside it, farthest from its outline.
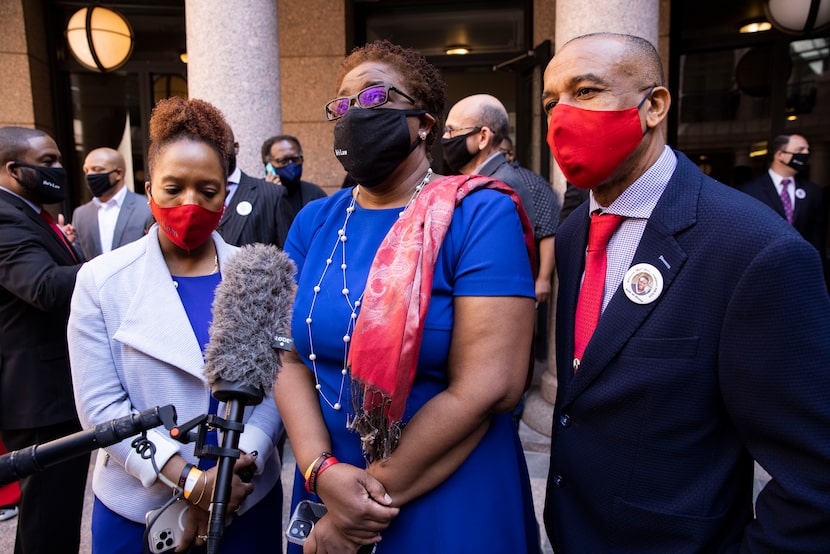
(252, 306)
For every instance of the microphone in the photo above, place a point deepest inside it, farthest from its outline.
(251, 315)
(32, 459)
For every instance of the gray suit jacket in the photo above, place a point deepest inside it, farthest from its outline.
(134, 219)
(499, 168)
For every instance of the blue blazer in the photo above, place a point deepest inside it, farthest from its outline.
(654, 437)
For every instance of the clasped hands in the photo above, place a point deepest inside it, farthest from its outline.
(358, 510)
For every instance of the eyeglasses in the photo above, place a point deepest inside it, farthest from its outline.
(448, 131)
(282, 162)
(370, 97)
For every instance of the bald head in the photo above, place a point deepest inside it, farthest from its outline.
(484, 118)
(103, 157)
(482, 110)
(109, 161)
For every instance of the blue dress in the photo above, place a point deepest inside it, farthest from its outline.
(486, 506)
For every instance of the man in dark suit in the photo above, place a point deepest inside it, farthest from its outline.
(475, 127)
(282, 156)
(37, 275)
(667, 395)
(255, 210)
(784, 183)
(115, 216)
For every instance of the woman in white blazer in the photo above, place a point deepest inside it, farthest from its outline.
(137, 328)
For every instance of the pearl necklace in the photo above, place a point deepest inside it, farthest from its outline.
(353, 305)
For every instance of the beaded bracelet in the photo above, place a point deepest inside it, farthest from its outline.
(324, 462)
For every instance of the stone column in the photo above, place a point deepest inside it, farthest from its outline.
(574, 18)
(233, 52)
(27, 100)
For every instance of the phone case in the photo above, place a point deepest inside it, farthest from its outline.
(166, 531)
(302, 521)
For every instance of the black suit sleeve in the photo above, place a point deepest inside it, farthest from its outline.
(284, 214)
(28, 269)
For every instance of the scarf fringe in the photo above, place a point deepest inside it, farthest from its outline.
(379, 437)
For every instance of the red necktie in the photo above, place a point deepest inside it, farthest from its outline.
(47, 217)
(593, 283)
(785, 199)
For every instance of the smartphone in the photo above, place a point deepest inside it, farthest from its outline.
(302, 521)
(166, 526)
(269, 169)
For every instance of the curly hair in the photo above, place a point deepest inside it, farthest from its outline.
(422, 80)
(175, 119)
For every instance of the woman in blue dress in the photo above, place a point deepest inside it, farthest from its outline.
(412, 326)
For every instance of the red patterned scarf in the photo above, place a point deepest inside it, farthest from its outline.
(387, 337)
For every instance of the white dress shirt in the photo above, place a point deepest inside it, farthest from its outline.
(108, 216)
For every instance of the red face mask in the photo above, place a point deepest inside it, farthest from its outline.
(589, 145)
(188, 226)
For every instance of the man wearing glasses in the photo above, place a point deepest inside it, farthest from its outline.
(475, 127)
(282, 157)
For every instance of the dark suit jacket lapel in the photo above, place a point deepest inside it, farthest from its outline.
(232, 224)
(56, 246)
(659, 248)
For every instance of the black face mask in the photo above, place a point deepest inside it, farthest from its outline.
(799, 161)
(371, 143)
(46, 186)
(456, 154)
(99, 183)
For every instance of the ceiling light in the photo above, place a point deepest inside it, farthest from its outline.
(100, 39)
(798, 18)
(756, 26)
(457, 50)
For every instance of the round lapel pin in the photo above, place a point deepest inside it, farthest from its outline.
(244, 208)
(643, 283)
(800, 194)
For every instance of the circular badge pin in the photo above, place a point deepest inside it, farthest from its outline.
(643, 283)
(800, 194)
(244, 208)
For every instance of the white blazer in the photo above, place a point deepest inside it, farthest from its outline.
(131, 347)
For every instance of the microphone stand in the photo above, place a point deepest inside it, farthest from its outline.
(235, 396)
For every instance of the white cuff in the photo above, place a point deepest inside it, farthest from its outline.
(142, 469)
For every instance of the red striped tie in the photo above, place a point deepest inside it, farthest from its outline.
(589, 304)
